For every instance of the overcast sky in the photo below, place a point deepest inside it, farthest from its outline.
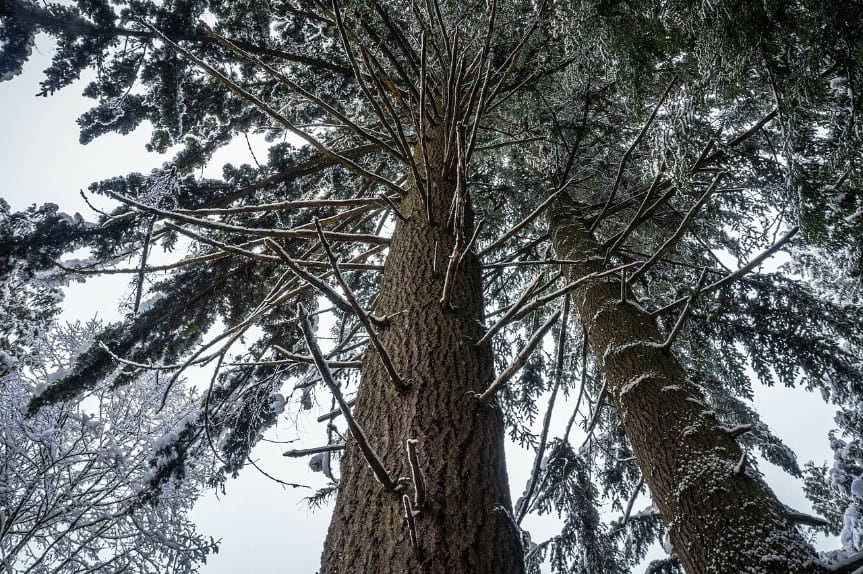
(264, 527)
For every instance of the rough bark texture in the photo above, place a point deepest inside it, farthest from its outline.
(466, 526)
(720, 521)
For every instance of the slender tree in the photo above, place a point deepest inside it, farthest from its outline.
(439, 176)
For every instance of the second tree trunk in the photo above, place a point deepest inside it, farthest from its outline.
(720, 519)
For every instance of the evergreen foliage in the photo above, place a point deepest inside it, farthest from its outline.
(742, 114)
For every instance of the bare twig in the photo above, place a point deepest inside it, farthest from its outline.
(399, 383)
(416, 476)
(472, 240)
(636, 218)
(267, 109)
(145, 250)
(521, 224)
(519, 362)
(681, 229)
(628, 512)
(311, 278)
(259, 231)
(295, 358)
(732, 277)
(524, 503)
(370, 455)
(286, 205)
(582, 384)
(628, 153)
(513, 309)
(594, 419)
(299, 452)
(540, 301)
(678, 326)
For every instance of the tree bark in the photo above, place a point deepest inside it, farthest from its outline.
(466, 525)
(720, 520)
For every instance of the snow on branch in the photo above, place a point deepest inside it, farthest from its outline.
(300, 452)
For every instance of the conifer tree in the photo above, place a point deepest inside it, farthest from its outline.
(460, 181)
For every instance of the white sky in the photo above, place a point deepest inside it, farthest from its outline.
(263, 527)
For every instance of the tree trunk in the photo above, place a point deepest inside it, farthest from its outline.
(720, 520)
(466, 525)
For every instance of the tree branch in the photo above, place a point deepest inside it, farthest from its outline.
(370, 455)
(519, 362)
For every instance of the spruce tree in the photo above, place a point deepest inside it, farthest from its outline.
(463, 180)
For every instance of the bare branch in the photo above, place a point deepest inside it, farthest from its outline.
(540, 301)
(708, 159)
(805, 519)
(370, 455)
(295, 358)
(524, 503)
(145, 250)
(259, 231)
(513, 309)
(267, 109)
(628, 512)
(411, 521)
(310, 278)
(399, 383)
(681, 229)
(359, 130)
(470, 243)
(519, 362)
(628, 153)
(334, 413)
(416, 476)
(678, 326)
(287, 205)
(732, 277)
(594, 418)
(636, 218)
(521, 224)
(297, 453)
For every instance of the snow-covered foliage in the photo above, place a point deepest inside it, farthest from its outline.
(70, 475)
(760, 93)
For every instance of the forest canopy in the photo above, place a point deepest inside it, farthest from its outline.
(490, 211)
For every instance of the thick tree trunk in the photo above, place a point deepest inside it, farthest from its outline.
(720, 520)
(466, 526)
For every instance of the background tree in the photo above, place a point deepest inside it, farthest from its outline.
(658, 135)
(71, 475)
